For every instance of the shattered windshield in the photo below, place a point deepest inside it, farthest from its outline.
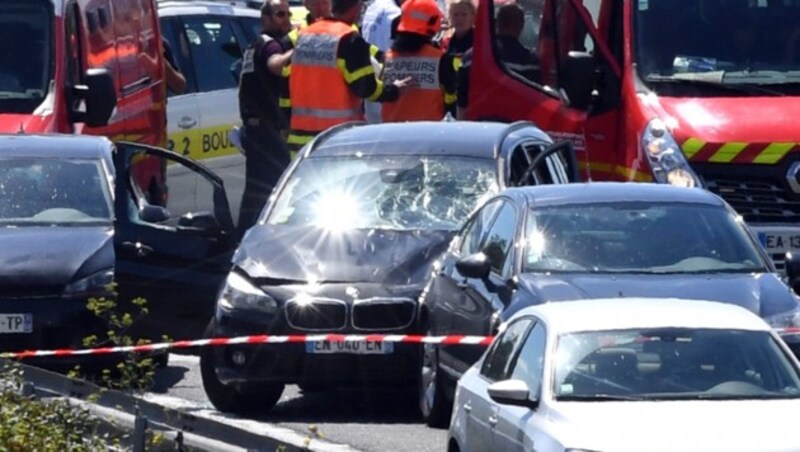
(46, 191)
(385, 192)
(672, 364)
(723, 42)
(25, 54)
(637, 237)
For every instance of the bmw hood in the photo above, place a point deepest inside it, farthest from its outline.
(53, 255)
(304, 254)
(676, 425)
(762, 293)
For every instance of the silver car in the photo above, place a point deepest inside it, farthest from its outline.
(630, 374)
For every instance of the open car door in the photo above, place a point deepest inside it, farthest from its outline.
(174, 243)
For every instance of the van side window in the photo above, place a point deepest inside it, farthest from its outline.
(550, 31)
(214, 50)
(74, 46)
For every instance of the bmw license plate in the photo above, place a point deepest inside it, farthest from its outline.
(16, 323)
(356, 348)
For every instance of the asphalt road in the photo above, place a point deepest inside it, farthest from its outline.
(376, 420)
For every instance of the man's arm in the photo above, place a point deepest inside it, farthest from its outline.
(353, 59)
(277, 61)
(449, 82)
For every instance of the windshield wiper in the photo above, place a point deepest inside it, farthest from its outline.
(749, 88)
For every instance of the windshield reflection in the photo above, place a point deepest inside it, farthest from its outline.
(672, 364)
(25, 54)
(47, 191)
(728, 41)
(637, 237)
(380, 192)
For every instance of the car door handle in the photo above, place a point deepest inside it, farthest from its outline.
(468, 407)
(138, 248)
(492, 420)
(463, 284)
(187, 122)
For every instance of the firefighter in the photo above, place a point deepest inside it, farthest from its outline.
(413, 55)
(510, 21)
(379, 27)
(263, 124)
(331, 73)
(461, 16)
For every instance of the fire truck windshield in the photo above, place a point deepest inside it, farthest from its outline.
(727, 42)
(25, 54)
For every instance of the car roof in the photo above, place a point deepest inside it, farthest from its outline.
(462, 138)
(609, 192)
(638, 312)
(56, 145)
(171, 8)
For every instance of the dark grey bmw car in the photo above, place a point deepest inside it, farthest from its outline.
(346, 243)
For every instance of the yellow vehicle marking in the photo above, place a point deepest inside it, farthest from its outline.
(200, 144)
(774, 152)
(727, 152)
(692, 146)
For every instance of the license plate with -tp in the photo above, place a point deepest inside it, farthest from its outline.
(356, 348)
(16, 323)
(779, 240)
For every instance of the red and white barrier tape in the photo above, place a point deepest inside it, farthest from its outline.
(297, 338)
(265, 339)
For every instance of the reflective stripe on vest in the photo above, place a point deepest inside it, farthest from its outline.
(426, 100)
(320, 96)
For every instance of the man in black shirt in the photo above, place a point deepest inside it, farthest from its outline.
(263, 122)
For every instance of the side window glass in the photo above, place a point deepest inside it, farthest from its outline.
(158, 180)
(74, 50)
(177, 50)
(530, 362)
(473, 237)
(252, 27)
(214, 50)
(500, 238)
(497, 365)
(516, 35)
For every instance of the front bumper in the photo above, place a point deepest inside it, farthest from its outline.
(290, 363)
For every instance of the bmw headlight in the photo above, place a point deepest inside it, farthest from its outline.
(666, 159)
(239, 293)
(97, 284)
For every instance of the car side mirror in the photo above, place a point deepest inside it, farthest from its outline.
(99, 95)
(793, 271)
(512, 392)
(474, 266)
(205, 221)
(153, 214)
(577, 79)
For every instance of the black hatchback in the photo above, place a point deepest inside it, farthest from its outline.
(346, 243)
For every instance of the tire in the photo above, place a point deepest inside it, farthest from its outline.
(254, 399)
(433, 403)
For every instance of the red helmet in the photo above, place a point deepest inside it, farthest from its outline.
(421, 17)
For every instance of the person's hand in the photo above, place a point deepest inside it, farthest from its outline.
(405, 84)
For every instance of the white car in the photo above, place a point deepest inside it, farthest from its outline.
(630, 374)
(207, 39)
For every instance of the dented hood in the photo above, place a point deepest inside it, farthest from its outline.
(305, 254)
(53, 255)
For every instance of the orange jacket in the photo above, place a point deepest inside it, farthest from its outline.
(315, 65)
(424, 102)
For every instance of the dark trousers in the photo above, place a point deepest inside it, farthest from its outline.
(266, 157)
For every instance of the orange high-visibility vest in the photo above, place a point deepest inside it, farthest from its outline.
(320, 95)
(423, 102)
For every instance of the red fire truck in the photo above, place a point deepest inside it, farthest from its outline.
(691, 92)
(85, 66)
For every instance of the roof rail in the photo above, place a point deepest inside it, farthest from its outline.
(513, 127)
(327, 133)
(255, 4)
